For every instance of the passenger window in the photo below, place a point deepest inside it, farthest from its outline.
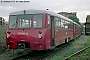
(62, 23)
(34, 24)
(57, 23)
(69, 24)
(66, 24)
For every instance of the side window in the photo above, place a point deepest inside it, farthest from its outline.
(66, 24)
(56, 23)
(59, 22)
(48, 26)
(12, 22)
(69, 25)
(77, 27)
(62, 23)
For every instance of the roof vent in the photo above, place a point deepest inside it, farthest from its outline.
(24, 11)
(47, 9)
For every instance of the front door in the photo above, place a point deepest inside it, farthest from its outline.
(52, 30)
(74, 30)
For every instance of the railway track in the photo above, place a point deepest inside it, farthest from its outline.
(77, 53)
(42, 55)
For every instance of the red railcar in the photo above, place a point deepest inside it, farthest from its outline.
(39, 30)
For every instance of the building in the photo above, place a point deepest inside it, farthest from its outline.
(87, 25)
(88, 19)
(2, 20)
(83, 28)
(66, 14)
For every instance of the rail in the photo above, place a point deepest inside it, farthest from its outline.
(78, 52)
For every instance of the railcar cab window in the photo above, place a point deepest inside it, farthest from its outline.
(12, 22)
(24, 21)
(37, 22)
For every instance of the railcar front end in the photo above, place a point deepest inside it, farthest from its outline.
(27, 31)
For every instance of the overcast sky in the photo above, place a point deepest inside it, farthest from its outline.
(82, 7)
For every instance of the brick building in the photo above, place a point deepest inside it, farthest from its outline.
(66, 14)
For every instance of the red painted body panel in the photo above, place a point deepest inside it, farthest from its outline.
(31, 36)
(61, 35)
(74, 30)
(48, 39)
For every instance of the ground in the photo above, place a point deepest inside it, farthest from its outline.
(73, 47)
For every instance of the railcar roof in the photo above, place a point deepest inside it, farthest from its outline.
(32, 11)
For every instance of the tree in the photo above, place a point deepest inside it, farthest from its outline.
(74, 18)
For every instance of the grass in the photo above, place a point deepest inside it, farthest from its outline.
(20, 52)
(2, 50)
(88, 42)
(86, 54)
(73, 44)
(68, 53)
(83, 56)
(2, 38)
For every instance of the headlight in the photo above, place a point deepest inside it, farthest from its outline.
(40, 36)
(8, 35)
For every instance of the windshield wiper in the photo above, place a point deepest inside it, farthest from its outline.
(13, 25)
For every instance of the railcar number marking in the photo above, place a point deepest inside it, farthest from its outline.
(22, 33)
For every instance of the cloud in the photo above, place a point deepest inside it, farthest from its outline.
(5, 10)
(83, 15)
(79, 6)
